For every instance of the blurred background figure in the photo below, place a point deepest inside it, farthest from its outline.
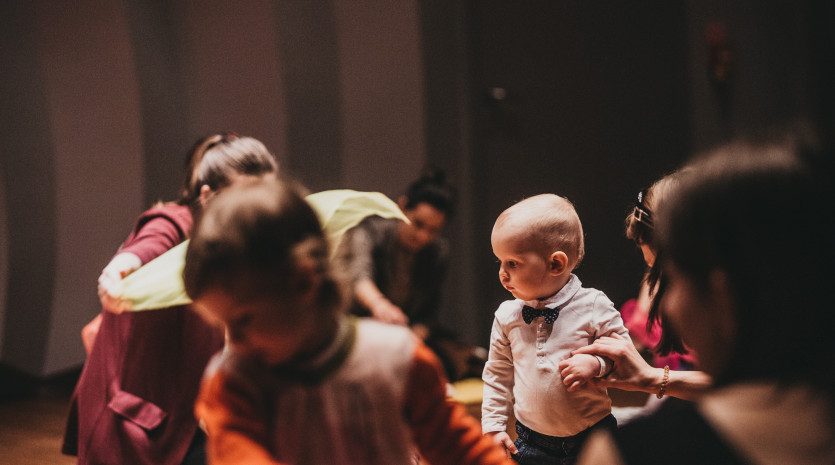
(641, 315)
(133, 403)
(397, 269)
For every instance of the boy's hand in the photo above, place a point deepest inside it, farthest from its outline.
(503, 440)
(578, 369)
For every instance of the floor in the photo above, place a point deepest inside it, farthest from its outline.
(31, 431)
(31, 426)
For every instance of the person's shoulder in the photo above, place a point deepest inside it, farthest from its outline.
(383, 336)
(591, 296)
(178, 214)
(377, 227)
(169, 209)
(392, 347)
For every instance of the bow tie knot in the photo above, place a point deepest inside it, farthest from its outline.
(550, 314)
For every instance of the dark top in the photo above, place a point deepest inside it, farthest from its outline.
(676, 433)
(372, 250)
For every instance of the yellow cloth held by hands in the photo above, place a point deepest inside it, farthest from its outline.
(159, 283)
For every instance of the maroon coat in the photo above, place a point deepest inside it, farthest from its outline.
(134, 402)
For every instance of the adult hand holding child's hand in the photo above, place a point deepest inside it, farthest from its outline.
(578, 369)
(631, 372)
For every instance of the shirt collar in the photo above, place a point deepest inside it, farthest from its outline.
(561, 297)
(316, 370)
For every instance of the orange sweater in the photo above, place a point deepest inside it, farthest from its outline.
(376, 397)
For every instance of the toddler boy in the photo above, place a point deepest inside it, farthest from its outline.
(538, 243)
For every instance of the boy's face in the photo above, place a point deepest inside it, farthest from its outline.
(523, 271)
(275, 330)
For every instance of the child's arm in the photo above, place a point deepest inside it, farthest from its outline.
(578, 369)
(235, 427)
(498, 386)
(606, 321)
(443, 431)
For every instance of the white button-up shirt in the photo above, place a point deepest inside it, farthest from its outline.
(522, 372)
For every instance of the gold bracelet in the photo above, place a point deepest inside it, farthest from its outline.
(664, 381)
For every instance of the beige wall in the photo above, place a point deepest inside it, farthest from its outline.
(381, 87)
(101, 100)
(92, 104)
(107, 95)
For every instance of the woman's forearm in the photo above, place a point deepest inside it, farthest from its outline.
(687, 385)
(368, 294)
(632, 373)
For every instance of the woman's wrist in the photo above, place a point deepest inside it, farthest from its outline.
(652, 380)
(664, 380)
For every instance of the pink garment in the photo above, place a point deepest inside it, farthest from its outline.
(133, 404)
(635, 321)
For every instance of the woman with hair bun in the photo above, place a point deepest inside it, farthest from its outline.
(397, 269)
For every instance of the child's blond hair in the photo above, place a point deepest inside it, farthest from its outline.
(549, 223)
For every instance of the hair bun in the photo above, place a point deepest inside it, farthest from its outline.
(432, 187)
(432, 174)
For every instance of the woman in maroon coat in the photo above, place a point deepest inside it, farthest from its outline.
(134, 400)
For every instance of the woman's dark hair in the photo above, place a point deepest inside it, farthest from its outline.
(258, 230)
(213, 159)
(640, 227)
(762, 215)
(432, 188)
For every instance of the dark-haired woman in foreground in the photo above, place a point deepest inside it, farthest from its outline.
(748, 253)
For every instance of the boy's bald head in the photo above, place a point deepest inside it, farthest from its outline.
(548, 223)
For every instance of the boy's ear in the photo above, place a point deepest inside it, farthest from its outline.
(558, 263)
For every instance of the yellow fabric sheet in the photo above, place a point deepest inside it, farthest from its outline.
(159, 284)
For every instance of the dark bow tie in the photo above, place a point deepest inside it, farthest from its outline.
(550, 314)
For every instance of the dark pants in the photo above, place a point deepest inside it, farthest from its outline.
(540, 449)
